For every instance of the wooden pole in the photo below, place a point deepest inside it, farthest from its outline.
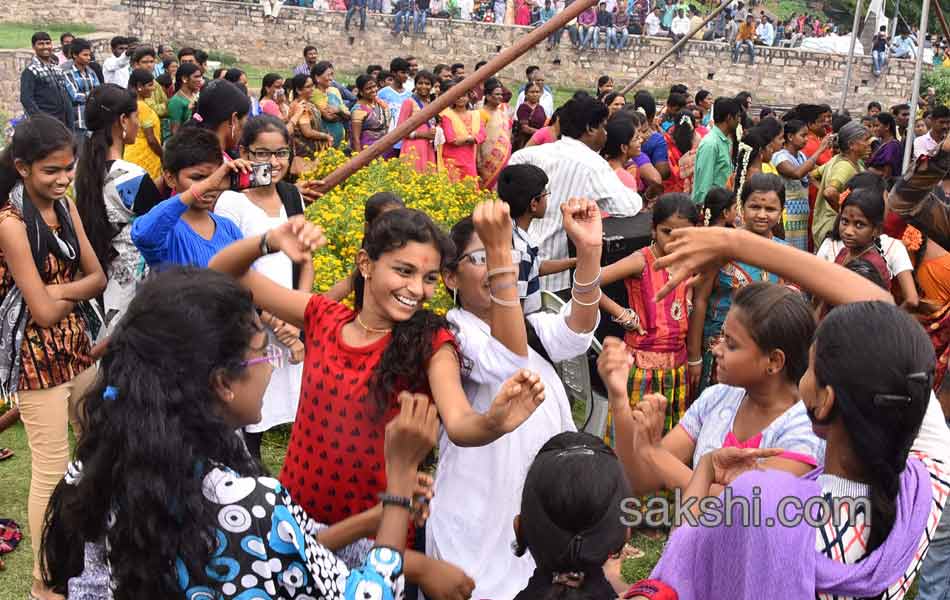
(915, 93)
(447, 99)
(854, 40)
(943, 21)
(676, 47)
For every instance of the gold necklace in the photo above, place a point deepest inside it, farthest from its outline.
(370, 329)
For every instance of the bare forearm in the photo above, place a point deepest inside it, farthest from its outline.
(552, 266)
(85, 288)
(349, 530)
(506, 313)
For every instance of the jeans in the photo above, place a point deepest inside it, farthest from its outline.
(555, 38)
(354, 5)
(617, 39)
(737, 50)
(376, 6)
(879, 57)
(586, 35)
(575, 36)
(419, 19)
(403, 18)
(934, 580)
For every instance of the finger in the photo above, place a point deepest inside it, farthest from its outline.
(675, 279)
(765, 452)
(407, 405)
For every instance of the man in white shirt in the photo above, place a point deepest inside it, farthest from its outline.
(930, 141)
(679, 27)
(575, 169)
(534, 75)
(116, 68)
(394, 95)
(765, 32)
(652, 22)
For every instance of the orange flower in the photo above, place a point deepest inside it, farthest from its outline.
(912, 238)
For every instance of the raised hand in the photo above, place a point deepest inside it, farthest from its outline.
(297, 238)
(693, 250)
(515, 401)
(614, 364)
(582, 222)
(649, 416)
(421, 497)
(729, 463)
(411, 435)
(493, 224)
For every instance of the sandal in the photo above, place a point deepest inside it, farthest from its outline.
(6, 453)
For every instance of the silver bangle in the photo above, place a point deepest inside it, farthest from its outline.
(579, 303)
(586, 287)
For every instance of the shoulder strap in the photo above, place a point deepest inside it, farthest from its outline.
(290, 198)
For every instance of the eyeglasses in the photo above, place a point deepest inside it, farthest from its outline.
(265, 155)
(479, 258)
(274, 354)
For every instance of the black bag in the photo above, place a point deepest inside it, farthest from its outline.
(293, 205)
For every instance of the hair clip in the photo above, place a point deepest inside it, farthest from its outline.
(890, 400)
(110, 393)
(197, 117)
(571, 579)
(642, 111)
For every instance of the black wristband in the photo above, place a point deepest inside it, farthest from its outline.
(391, 500)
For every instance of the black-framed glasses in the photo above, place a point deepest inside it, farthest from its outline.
(265, 155)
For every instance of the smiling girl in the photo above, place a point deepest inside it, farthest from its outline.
(47, 267)
(763, 197)
(417, 147)
(357, 361)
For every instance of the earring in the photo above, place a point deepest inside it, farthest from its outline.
(455, 296)
(124, 132)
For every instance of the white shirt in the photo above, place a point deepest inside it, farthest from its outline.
(116, 70)
(652, 23)
(546, 101)
(679, 26)
(925, 144)
(573, 169)
(478, 489)
(766, 33)
(279, 404)
(895, 254)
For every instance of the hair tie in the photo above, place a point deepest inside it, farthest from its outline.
(197, 117)
(571, 579)
(110, 393)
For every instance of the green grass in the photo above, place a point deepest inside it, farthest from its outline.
(17, 35)
(15, 475)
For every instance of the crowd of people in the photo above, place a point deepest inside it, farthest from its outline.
(786, 334)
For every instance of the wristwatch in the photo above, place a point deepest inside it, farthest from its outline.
(265, 249)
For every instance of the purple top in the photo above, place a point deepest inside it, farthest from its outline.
(787, 564)
(587, 18)
(890, 153)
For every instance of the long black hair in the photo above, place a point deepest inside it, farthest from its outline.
(269, 80)
(880, 364)
(619, 133)
(410, 348)
(718, 201)
(217, 102)
(184, 71)
(682, 131)
(104, 107)
(571, 513)
(33, 139)
(151, 427)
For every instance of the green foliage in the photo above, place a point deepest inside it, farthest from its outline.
(17, 35)
(939, 79)
(225, 58)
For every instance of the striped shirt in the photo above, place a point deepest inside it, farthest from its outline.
(573, 170)
(847, 541)
(529, 268)
(79, 84)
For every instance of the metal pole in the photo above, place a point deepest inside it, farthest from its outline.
(915, 93)
(676, 47)
(509, 55)
(854, 40)
(897, 13)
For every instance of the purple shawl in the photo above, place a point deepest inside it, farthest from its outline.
(750, 563)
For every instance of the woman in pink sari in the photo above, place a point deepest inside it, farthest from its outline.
(463, 133)
(522, 12)
(494, 152)
(418, 147)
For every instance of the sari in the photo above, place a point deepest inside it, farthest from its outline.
(303, 146)
(420, 152)
(331, 98)
(375, 123)
(460, 161)
(533, 117)
(494, 153)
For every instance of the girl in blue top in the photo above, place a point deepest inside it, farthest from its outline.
(762, 201)
(183, 230)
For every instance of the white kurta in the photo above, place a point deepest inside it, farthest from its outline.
(283, 391)
(478, 490)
